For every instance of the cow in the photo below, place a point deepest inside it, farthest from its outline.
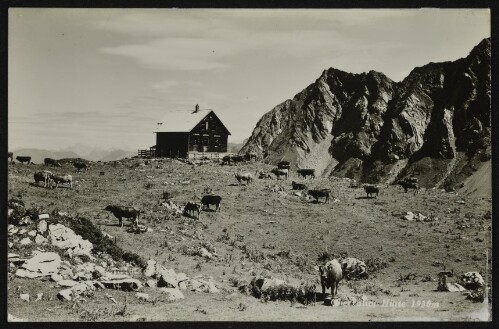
(10, 156)
(121, 212)
(247, 177)
(251, 156)
(228, 159)
(51, 162)
(370, 190)
(283, 165)
(297, 186)
(263, 175)
(306, 172)
(409, 183)
(331, 275)
(66, 179)
(317, 194)
(280, 172)
(191, 209)
(80, 165)
(23, 159)
(208, 200)
(43, 176)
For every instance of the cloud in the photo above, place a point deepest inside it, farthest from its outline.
(176, 53)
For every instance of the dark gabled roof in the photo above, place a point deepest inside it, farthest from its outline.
(184, 121)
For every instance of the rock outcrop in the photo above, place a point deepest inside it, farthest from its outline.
(366, 126)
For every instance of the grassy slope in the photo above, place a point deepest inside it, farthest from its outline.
(363, 228)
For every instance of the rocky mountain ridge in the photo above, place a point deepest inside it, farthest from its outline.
(368, 127)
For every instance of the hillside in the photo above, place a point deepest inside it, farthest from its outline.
(368, 127)
(78, 151)
(263, 231)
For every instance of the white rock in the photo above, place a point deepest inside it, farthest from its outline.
(42, 226)
(409, 216)
(24, 297)
(40, 239)
(43, 262)
(150, 270)
(167, 278)
(25, 241)
(454, 287)
(142, 296)
(11, 244)
(67, 283)
(205, 253)
(43, 216)
(151, 283)
(173, 294)
(39, 296)
(270, 283)
(56, 277)
(22, 273)
(32, 233)
(65, 294)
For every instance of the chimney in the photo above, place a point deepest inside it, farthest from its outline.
(196, 109)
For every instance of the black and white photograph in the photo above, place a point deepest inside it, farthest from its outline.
(304, 165)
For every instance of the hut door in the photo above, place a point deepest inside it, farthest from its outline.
(206, 140)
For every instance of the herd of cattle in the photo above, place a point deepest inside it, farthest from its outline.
(331, 273)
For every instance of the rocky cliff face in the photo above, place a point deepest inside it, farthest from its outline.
(369, 127)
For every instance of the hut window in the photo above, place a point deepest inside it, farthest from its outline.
(206, 125)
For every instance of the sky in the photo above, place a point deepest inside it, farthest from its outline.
(105, 77)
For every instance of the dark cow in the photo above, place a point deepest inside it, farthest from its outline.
(80, 166)
(323, 193)
(331, 275)
(283, 165)
(246, 177)
(297, 186)
(409, 183)
(23, 159)
(66, 179)
(370, 190)
(51, 162)
(208, 200)
(10, 156)
(121, 212)
(306, 172)
(251, 156)
(43, 176)
(192, 209)
(280, 172)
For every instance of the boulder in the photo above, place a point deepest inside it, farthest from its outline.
(21, 273)
(142, 296)
(32, 233)
(173, 294)
(205, 253)
(454, 287)
(40, 239)
(25, 241)
(408, 216)
(39, 296)
(150, 269)
(65, 238)
(67, 283)
(24, 297)
(125, 284)
(56, 277)
(167, 278)
(42, 226)
(354, 268)
(271, 283)
(65, 295)
(43, 216)
(43, 262)
(472, 280)
(151, 283)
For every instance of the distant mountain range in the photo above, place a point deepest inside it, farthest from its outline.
(76, 151)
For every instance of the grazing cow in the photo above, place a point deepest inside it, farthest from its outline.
(331, 275)
(10, 156)
(23, 159)
(66, 179)
(251, 156)
(51, 162)
(306, 172)
(323, 193)
(43, 176)
(208, 200)
(80, 165)
(228, 159)
(191, 209)
(283, 165)
(247, 177)
(121, 212)
(263, 175)
(410, 183)
(370, 190)
(297, 186)
(280, 172)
